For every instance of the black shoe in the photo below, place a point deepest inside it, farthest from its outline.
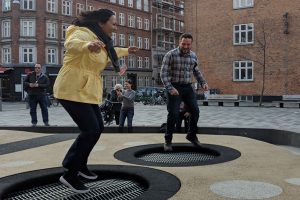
(74, 184)
(194, 141)
(168, 147)
(86, 173)
(46, 124)
(33, 125)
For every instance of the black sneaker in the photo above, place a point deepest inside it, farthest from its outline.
(74, 184)
(33, 125)
(168, 147)
(46, 124)
(194, 141)
(86, 173)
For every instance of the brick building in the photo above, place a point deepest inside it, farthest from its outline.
(168, 25)
(242, 43)
(34, 31)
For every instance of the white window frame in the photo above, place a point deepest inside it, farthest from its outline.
(140, 42)
(241, 32)
(131, 61)
(131, 21)
(113, 1)
(122, 80)
(147, 43)
(122, 61)
(139, 4)
(64, 30)
(114, 38)
(139, 22)
(104, 81)
(146, 5)
(6, 28)
(147, 81)
(6, 54)
(131, 40)
(121, 2)
(122, 41)
(79, 8)
(28, 30)
(53, 59)
(51, 29)
(147, 24)
(114, 81)
(147, 62)
(239, 4)
(237, 68)
(6, 5)
(22, 53)
(52, 6)
(140, 81)
(25, 4)
(122, 19)
(140, 62)
(130, 3)
(67, 7)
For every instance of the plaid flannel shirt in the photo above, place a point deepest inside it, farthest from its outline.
(178, 68)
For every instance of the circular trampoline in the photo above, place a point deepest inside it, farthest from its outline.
(182, 155)
(114, 182)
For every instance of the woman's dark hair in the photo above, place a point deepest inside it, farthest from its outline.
(90, 20)
(129, 81)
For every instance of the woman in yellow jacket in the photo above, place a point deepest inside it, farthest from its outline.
(78, 86)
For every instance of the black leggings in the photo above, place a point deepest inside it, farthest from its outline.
(89, 120)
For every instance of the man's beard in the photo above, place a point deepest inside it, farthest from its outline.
(184, 51)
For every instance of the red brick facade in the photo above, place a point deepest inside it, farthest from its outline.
(212, 24)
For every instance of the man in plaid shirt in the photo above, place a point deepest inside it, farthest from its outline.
(177, 68)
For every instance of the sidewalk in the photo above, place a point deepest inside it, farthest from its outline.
(16, 114)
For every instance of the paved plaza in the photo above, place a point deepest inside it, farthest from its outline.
(263, 171)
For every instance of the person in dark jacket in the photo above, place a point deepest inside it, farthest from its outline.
(36, 84)
(116, 104)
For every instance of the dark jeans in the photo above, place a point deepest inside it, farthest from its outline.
(117, 116)
(89, 120)
(42, 101)
(186, 120)
(129, 113)
(188, 96)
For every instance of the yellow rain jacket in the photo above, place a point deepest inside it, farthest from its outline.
(79, 78)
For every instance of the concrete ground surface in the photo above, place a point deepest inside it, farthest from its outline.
(260, 165)
(264, 171)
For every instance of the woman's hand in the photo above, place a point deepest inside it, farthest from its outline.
(122, 70)
(95, 46)
(132, 49)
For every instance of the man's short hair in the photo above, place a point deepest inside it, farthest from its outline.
(186, 35)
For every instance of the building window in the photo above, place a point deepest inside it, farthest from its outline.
(6, 5)
(243, 34)
(139, 23)
(140, 81)
(6, 55)
(121, 2)
(52, 6)
(130, 3)
(131, 21)
(131, 61)
(64, 30)
(140, 62)
(140, 42)
(147, 82)
(113, 1)
(122, 40)
(243, 70)
(51, 55)
(139, 4)
(147, 62)
(28, 54)
(146, 43)
(146, 5)
(104, 82)
(67, 7)
(63, 51)
(90, 8)
(121, 19)
(237, 4)
(114, 38)
(131, 40)
(146, 23)
(79, 8)
(122, 61)
(6, 31)
(51, 30)
(28, 4)
(122, 80)
(114, 81)
(27, 27)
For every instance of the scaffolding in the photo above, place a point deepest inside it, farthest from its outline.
(167, 27)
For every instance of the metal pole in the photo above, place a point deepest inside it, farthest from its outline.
(0, 94)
